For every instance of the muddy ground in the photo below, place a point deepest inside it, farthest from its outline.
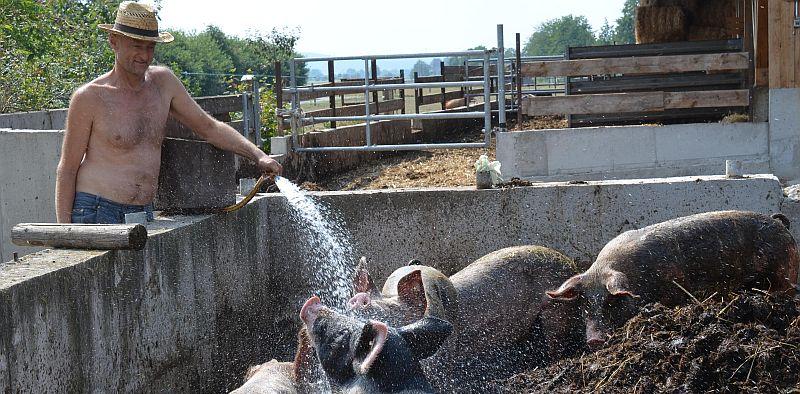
(743, 342)
(436, 168)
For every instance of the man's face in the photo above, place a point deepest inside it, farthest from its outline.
(133, 55)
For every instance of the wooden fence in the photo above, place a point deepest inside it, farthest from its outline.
(631, 83)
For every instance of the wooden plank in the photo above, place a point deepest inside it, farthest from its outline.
(694, 81)
(358, 109)
(656, 49)
(782, 45)
(80, 236)
(216, 105)
(761, 47)
(707, 99)
(638, 65)
(305, 96)
(593, 103)
(632, 102)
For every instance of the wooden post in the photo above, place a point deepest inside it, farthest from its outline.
(403, 91)
(761, 37)
(80, 236)
(784, 46)
(417, 94)
(444, 91)
(375, 81)
(278, 89)
(519, 85)
(332, 97)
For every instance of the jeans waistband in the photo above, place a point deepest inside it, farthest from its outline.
(128, 207)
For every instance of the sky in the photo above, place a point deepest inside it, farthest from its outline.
(357, 27)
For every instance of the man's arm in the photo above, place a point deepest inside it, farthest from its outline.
(187, 111)
(73, 147)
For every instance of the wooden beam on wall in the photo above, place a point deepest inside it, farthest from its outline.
(633, 102)
(784, 50)
(638, 65)
(761, 45)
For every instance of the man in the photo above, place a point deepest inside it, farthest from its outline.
(111, 153)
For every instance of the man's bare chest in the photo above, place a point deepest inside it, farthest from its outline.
(126, 120)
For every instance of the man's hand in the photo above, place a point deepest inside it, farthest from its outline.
(269, 166)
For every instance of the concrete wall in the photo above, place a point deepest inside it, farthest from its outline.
(617, 152)
(784, 129)
(28, 160)
(211, 294)
(53, 119)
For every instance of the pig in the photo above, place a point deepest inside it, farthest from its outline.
(290, 377)
(505, 323)
(409, 293)
(371, 357)
(703, 253)
(455, 103)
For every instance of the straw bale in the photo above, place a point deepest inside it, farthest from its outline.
(660, 24)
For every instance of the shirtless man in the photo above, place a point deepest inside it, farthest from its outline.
(111, 153)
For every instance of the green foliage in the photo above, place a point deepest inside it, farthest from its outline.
(606, 34)
(554, 36)
(422, 69)
(624, 31)
(459, 60)
(48, 48)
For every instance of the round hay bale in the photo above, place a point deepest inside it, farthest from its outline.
(660, 24)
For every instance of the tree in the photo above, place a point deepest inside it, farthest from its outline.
(624, 31)
(554, 36)
(606, 34)
(459, 60)
(421, 68)
(49, 48)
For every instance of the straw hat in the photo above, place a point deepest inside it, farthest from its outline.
(137, 21)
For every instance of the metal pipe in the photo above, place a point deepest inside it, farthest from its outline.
(295, 104)
(376, 148)
(257, 112)
(537, 58)
(381, 87)
(501, 79)
(366, 101)
(487, 106)
(444, 115)
(246, 108)
(395, 56)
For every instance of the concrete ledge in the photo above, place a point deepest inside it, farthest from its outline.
(633, 151)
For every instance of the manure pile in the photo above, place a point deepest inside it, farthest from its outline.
(741, 342)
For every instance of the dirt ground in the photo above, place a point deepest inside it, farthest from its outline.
(743, 342)
(435, 168)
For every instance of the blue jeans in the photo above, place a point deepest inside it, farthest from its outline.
(89, 208)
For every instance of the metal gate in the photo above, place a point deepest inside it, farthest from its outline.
(298, 119)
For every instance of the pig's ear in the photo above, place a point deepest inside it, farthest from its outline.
(362, 282)
(426, 336)
(411, 292)
(617, 285)
(304, 368)
(569, 290)
(371, 342)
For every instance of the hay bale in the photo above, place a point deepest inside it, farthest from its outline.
(715, 13)
(699, 33)
(689, 6)
(660, 24)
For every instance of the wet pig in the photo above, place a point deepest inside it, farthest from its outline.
(698, 254)
(371, 357)
(409, 293)
(299, 376)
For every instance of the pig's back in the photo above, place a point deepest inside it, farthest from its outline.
(720, 251)
(506, 287)
(271, 377)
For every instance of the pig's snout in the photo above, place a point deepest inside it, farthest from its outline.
(360, 300)
(595, 338)
(310, 310)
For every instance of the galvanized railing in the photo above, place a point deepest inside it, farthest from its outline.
(298, 120)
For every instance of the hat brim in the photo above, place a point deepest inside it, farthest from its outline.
(163, 37)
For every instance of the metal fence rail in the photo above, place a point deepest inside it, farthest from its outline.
(298, 119)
